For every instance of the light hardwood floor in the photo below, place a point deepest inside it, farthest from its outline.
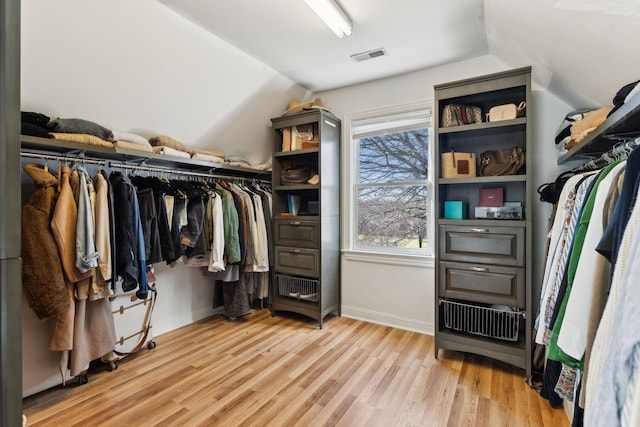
(281, 371)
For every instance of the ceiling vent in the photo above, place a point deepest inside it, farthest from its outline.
(364, 56)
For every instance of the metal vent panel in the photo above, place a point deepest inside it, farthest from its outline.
(371, 54)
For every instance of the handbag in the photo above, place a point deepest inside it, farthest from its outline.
(502, 162)
(458, 165)
(506, 112)
(550, 192)
(457, 115)
(297, 170)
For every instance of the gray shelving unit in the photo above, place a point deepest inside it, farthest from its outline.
(306, 247)
(483, 279)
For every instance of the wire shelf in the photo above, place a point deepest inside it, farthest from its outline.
(297, 287)
(503, 324)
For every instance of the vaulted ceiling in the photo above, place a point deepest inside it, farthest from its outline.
(583, 51)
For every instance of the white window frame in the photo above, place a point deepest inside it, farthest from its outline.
(350, 156)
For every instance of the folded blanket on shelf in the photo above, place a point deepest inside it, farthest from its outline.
(239, 164)
(34, 124)
(80, 126)
(207, 158)
(167, 141)
(34, 130)
(169, 151)
(266, 166)
(82, 138)
(132, 146)
(591, 120)
(131, 137)
(237, 159)
(215, 153)
(38, 119)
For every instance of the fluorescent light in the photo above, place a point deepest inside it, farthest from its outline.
(332, 15)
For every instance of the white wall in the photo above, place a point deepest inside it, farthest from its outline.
(403, 295)
(139, 66)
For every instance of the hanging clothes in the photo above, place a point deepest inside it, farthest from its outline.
(130, 249)
(42, 278)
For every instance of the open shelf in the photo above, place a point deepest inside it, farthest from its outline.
(624, 121)
(77, 151)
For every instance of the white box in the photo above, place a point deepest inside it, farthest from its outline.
(502, 212)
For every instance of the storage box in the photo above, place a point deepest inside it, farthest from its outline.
(458, 165)
(455, 209)
(493, 196)
(500, 212)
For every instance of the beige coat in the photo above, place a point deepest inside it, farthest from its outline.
(87, 328)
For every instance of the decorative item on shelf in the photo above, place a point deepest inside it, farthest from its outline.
(286, 139)
(456, 164)
(506, 112)
(455, 209)
(510, 210)
(492, 197)
(457, 115)
(302, 137)
(502, 162)
(297, 170)
(295, 106)
(293, 202)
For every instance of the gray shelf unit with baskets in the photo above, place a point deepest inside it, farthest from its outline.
(306, 247)
(483, 298)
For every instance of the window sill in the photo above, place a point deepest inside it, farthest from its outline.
(409, 260)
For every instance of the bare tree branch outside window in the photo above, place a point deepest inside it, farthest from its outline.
(392, 191)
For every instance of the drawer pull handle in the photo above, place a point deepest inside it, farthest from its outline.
(294, 251)
(479, 230)
(294, 223)
(481, 269)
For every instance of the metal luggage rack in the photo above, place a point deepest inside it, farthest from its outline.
(297, 287)
(499, 323)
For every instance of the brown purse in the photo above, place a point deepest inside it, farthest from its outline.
(502, 162)
(297, 170)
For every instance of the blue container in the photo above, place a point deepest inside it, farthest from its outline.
(455, 209)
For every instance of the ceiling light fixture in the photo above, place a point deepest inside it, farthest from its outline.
(333, 15)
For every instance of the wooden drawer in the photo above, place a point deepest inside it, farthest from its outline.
(488, 245)
(297, 233)
(482, 283)
(304, 262)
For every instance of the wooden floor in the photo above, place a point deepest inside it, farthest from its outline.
(283, 371)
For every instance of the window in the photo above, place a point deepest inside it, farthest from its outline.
(389, 183)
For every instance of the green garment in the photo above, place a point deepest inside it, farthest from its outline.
(230, 218)
(553, 351)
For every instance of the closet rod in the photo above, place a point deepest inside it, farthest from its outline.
(62, 158)
(139, 167)
(171, 171)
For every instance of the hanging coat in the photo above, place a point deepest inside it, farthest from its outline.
(42, 277)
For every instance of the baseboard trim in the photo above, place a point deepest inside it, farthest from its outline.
(386, 319)
(168, 325)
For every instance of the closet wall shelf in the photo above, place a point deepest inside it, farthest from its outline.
(74, 150)
(296, 152)
(483, 125)
(484, 179)
(624, 121)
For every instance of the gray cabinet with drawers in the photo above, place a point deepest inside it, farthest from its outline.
(306, 264)
(483, 279)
